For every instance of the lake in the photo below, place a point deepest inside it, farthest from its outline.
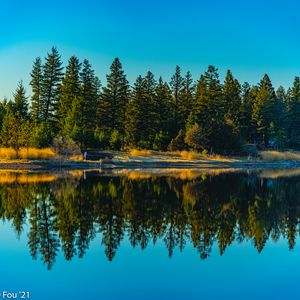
(150, 234)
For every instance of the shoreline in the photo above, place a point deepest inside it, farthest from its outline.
(50, 165)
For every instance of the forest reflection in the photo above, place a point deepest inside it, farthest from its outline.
(65, 213)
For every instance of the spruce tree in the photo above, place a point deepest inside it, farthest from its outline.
(162, 107)
(136, 131)
(177, 85)
(264, 110)
(21, 101)
(114, 99)
(52, 76)
(247, 124)
(186, 99)
(36, 82)
(149, 107)
(281, 123)
(90, 100)
(232, 98)
(293, 107)
(70, 90)
(80, 120)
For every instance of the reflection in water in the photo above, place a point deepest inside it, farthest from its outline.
(65, 213)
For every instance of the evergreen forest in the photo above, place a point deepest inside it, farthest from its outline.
(181, 114)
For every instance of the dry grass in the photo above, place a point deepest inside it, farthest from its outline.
(30, 153)
(280, 156)
(190, 155)
(76, 158)
(136, 152)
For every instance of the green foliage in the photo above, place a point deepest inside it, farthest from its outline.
(264, 110)
(154, 114)
(115, 140)
(36, 84)
(50, 84)
(178, 143)
(195, 138)
(14, 131)
(70, 91)
(101, 138)
(161, 141)
(20, 101)
(40, 135)
(114, 99)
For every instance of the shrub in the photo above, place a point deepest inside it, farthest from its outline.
(65, 146)
(194, 137)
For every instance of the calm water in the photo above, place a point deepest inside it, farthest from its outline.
(136, 235)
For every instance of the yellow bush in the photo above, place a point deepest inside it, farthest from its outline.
(136, 152)
(190, 155)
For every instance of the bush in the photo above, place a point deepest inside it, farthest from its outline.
(65, 146)
(194, 137)
(136, 152)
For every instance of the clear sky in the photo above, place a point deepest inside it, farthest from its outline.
(249, 37)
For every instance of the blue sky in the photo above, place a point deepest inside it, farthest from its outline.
(249, 37)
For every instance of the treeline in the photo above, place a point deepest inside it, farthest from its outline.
(209, 115)
(66, 215)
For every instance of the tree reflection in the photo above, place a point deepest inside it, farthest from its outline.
(68, 213)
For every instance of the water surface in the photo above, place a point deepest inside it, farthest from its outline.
(179, 234)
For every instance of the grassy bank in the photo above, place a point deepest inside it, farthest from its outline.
(33, 159)
(275, 156)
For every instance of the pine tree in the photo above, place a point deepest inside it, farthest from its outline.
(162, 108)
(114, 99)
(232, 98)
(247, 125)
(70, 90)
(149, 107)
(90, 100)
(281, 123)
(294, 114)
(186, 99)
(14, 132)
(36, 82)
(52, 76)
(177, 85)
(136, 133)
(80, 120)
(21, 101)
(264, 110)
